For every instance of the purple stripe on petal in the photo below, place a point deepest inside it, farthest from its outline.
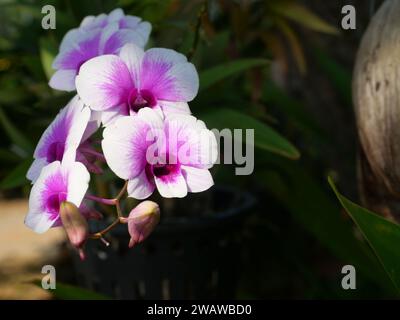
(154, 78)
(55, 140)
(75, 57)
(119, 84)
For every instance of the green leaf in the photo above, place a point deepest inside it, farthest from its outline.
(312, 207)
(382, 235)
(213, 75)
(336, 73)
(16, 136)
(300, 14)
(48, 51)
(65, 291)
(265, 137)
(295, 111)
(17, 177)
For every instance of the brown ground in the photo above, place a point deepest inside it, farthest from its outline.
(23, 252)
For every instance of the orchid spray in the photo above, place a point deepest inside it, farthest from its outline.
(139, 100)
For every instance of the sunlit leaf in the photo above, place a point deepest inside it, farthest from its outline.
(297, 50)
(65, 291)
(300, 14)
(48, 51)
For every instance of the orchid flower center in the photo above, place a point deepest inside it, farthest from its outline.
(164, 170)
(55, 152)
(54, 201)
(141, 99)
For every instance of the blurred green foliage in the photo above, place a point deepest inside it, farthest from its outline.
(244, 51)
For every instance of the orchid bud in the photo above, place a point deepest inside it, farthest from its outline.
(142, 220)
(75, 225)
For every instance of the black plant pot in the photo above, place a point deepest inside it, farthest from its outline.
(184, 258)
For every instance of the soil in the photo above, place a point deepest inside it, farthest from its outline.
(23, 253)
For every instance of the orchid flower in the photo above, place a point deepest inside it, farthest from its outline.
(104, 34)
(58, 182)
(161, 79)
(172, 155)
(64, 133)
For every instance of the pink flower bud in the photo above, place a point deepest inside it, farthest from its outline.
(142, 220)
(75, 225)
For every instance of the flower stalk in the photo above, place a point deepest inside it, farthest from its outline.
(113, 202)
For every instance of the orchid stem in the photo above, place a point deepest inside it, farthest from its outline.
(98, 155)
(109, 202)
(203, 10)
(116, 203)
(100, 234)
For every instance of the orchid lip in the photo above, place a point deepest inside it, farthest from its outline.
(163, 171)
(140, 99)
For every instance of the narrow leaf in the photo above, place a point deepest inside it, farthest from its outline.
(264, 136)
(48, 51)
(217, 73)
(300, 14)
(382, 235)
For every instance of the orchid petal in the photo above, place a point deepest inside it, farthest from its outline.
(168, 75)
(115, 15)
(84, 47)
(133, 55)
(169, 107)
(58, 182)
(129, 22)
(63, 135)
(87, 21)
(140, 187)
(78, 181)
(35, 169)
(171, 186)
(197, 180)
(63, 80)
(108, 32)
(192, 142)
(126, 141)
(109, 116)
(50, 182)
(103, 82)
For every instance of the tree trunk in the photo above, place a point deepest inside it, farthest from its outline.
(376, 97)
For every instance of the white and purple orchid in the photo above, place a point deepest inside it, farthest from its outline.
(150, 139)
(104, 34)
(173, 155)
(58, 182)
(161, 79)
